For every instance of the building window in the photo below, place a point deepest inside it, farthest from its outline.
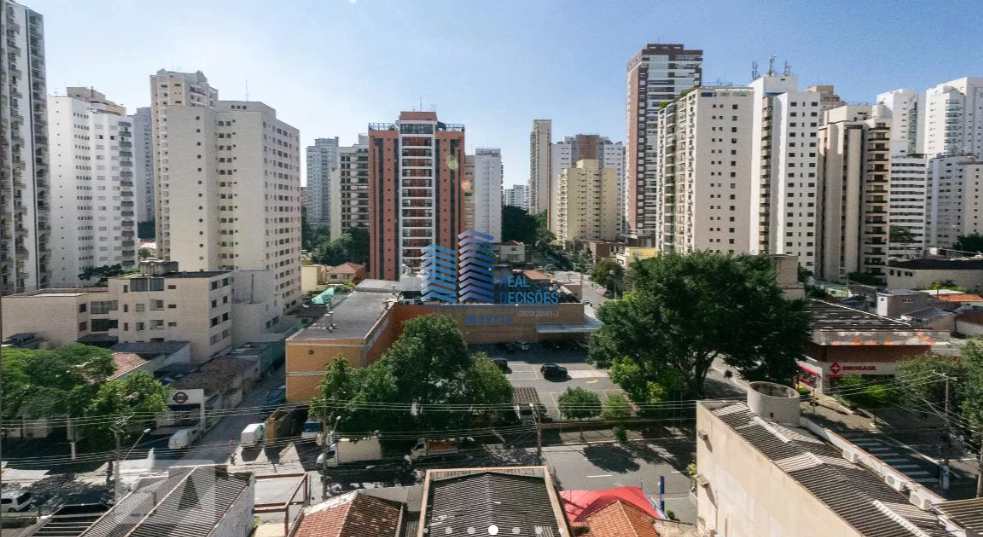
(83, 326)
(83, 308)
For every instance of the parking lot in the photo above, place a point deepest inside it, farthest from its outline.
(524, 370)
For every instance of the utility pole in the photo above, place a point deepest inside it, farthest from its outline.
(979, 472)
(539, 432)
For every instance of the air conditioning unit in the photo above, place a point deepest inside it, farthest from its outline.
(851, 456)
(923, 502)
(894, 483)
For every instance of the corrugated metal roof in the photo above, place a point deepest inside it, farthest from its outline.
(188, 503)
(966, 513)
(855, 494)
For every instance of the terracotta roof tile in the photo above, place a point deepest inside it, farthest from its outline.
(360, 516)
(621, 519)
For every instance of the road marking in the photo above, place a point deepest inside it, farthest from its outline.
(598, 475)
(587, 374)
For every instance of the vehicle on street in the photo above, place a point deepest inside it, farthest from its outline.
(427, 448)
(183, 438)
(523, 346)
(553, 372)
(312, 429)
(276, 396)
(502, 364)
(253, 435)
(15, 501)
(349, 450)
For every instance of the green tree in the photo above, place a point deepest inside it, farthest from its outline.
(920, 379)
(901, 235)
(684, 311)
(131, 402)
(578, 404)
(485, 382)
(101, 274)
(969, 243)
(52, 382)
(865, 278)
(518, 225)
(145, 253)
(616, 407)
(610, 274)
(337, 389)
(353, 245)
(970, 392)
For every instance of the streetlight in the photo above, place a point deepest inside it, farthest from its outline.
(118, 483)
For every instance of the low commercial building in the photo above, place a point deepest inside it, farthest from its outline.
(354, 514)
(923, 273)
(845, 341)
(626, 255)
(212, 310)
(787, 275)
(368, 320)
(316, 277)
(762, 470)
(894, 303)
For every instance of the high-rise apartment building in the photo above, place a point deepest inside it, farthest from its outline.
(954, 118)
(93, 221)
(415, 168)
(956, 183)
(907, 203)
(487, 192)
(657, 74)
(784, 178)
(467, 193)
(855, 172)
(907, 120)
(228, 176)
(143, 164)
(516, 196)
(585, 203)
(322, 172)
(24, 183)
(540, 171)
(566, 153)
(703, 142)
(350, 194)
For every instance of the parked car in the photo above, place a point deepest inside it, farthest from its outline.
(183, 438)
(502, 364)
(15, 501)
(276, 396)
(427, 448)
(312, 429)
(253, 435)
(553, 372)
(523, 346)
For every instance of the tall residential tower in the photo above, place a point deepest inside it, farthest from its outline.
(24, 186)
(322, 174)
(540, 171)
(657, 74)
(415, 168)
(487, 192)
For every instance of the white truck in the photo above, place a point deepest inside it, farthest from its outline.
(426, 448)
(253, 435)
(349, 450)
(183, 438)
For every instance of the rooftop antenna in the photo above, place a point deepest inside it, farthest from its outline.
(421, 104)
(754, 70)
(771, 66)
(788, 68)
(247, 90)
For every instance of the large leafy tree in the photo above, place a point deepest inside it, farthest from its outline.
(353, 245)
(610, 274)
(969, 243)
(52, 382)
(128, 405)
(518, 225)
(426, 369)
(685, 311)
(579, 403)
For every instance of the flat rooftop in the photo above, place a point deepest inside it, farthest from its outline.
(938, 264)
(60, 292)
(179, 274)
(352, 318)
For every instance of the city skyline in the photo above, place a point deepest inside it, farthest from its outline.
(579, 84)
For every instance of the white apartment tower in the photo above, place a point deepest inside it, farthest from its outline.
(143, 164)
(516, 196)
(907, 206)
(954, 199)
(322, 176)
(24, 186)
(954, 118)
(93, 221)
(608, 154)
(540, 165)
(656, 75)
(228, 175)
(854, 163)
(585, 203)
(487, 191)
(907, 120)
(350, 193)
(783, 168)
(703, 142)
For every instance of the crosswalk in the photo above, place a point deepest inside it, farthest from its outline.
(896, 457)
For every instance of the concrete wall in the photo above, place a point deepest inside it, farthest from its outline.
(747, 495)
(902, 278)
(53, 316)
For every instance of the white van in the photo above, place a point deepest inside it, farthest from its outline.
(182, 438)
(253, 435)
(15, 501)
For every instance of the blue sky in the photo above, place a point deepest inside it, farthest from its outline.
(330, 67)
